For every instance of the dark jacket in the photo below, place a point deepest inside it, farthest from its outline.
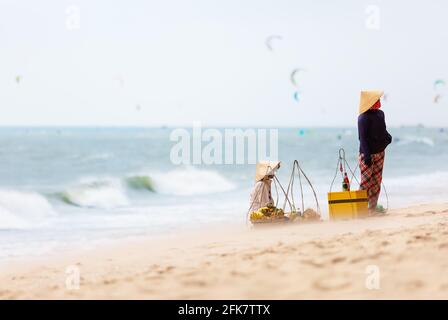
(373, 136)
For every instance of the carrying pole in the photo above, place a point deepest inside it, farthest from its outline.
(290, 189)
(343, 162)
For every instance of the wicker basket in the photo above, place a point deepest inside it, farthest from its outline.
(268, 220)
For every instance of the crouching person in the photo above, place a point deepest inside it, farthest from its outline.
(261, 195)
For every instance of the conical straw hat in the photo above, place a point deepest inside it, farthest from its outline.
(266, 168)
(368, 99)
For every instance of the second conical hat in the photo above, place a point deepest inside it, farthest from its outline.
(368, 99)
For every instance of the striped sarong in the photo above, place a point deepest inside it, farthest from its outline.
(371, 177)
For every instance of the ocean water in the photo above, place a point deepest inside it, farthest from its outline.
(63, 188)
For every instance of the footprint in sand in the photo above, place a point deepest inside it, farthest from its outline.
(357, 259)
(420, 237)
(364, 257)
(420, 214)
(338, 259)
(317, 244)
(329, 252)
(238, 273)
(165, 270)
(443, 245)
(313, 263)
(153, 267)
(414, 284)
(270, 266)
(196, 283)
(4, 293)
(248, 257)
(373, 232)
(109, 281)
(331, 283)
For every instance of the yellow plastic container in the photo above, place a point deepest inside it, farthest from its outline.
(348, 204)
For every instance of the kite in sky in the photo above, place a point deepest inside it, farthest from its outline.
(270, 41)
(439, 84)
(295, 76)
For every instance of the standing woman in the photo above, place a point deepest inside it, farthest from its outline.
(373, 139)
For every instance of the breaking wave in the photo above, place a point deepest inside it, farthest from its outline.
(191, 181)
(112, 193)
(22, 210)
(104, 194)
(418, 140)
(140, 182)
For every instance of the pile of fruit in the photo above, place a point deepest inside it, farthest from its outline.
(308, 215)
(267, 214)
(293, 216)
(311, 215)
(273, 214)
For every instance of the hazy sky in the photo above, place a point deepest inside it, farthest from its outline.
(183, 61)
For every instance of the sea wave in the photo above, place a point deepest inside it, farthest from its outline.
(22, 210)
(415, 140)
(96, 157)
(108, 193)
(104, 194)
(191, 181)
(427, 181)
(140, 182)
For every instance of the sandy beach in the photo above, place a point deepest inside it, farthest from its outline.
(407, 250)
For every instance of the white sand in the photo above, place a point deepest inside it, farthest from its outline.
(324, 260)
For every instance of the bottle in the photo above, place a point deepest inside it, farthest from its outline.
(346, 183)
